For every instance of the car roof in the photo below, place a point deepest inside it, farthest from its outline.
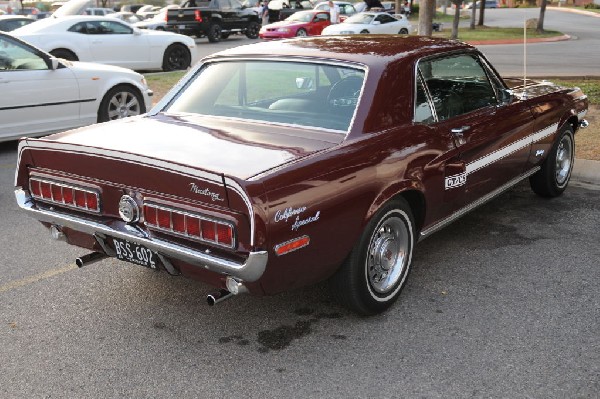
(58, 23)
(370, 50)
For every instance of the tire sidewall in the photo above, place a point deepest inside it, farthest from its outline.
(103, 109)
(567, 131)
(383, 215)
(167, 55)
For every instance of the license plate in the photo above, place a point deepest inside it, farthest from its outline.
(181, 27)
(135, 253)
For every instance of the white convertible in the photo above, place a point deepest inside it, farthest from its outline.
(42, 95)
(107, 40)
(371, 22)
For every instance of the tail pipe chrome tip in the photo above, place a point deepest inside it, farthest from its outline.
(57, 233)
(234, 287)
(219, 296)
(89, 259)
(583, 123)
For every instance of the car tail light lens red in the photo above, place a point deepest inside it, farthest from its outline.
(197, 16)
(189, 225)
(85, 199)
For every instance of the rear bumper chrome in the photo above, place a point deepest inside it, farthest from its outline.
(250, 270)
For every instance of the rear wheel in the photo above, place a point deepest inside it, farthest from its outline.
(64, 54)
(552, 179)
(214, 33)
(120, 102)
(403, 31)
(252, 30)
(373, 275)
(301, 33)
(364, 31)
(176, 57)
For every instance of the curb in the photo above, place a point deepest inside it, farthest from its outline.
(586, 171)
(575, 11)
(520, 41)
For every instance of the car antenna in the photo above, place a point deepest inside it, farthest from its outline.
(525, 59)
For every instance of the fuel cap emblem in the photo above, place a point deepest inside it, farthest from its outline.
(129, 209)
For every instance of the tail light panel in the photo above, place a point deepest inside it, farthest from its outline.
(189, 225)
(64, 194)
(197, 16)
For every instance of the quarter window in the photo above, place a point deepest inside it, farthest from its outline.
(458, 85)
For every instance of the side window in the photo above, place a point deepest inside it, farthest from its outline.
(15, 56)
(79, 28)
(348, 9)
(112, 28)
(423, 112)
(322, 17)
(384, 18)
(457, 84)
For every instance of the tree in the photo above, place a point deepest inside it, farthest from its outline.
(456, 20)
(426, 9)
(540, 25)
(473, 14)
(481, 12)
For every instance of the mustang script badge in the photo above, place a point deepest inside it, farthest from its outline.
(206, 192)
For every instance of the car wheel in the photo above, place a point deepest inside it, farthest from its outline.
(160, 28)
(373, 275)
(301, 33)
(252, 30)
(552, 179)
(214, 33)
(64, 54)
(176, 57)
(364, 31)
(403, 31)
(120, 102)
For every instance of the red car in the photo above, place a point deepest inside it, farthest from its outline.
(280, 164)
(301, 23)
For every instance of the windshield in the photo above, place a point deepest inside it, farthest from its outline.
(301, 16)
(360, 19)
(293, 93)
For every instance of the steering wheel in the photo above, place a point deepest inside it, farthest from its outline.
(345, 92)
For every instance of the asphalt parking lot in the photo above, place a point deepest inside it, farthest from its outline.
(503, 303)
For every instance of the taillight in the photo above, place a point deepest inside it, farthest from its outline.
(197, 16)
(85, 199)
(189, 225)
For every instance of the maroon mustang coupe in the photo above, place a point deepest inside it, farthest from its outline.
(280, 164)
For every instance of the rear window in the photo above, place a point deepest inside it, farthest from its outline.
(294, 93)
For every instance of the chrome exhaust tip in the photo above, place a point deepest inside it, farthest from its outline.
(57, 233)
(583, 124)
(89, 259)
(219, 296)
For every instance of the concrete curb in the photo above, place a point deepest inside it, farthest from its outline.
(520, 41)
(586, 171)
(575, 11)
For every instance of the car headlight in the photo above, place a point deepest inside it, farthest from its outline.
(283, 30)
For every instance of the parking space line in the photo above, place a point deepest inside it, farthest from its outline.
(36, 277)
(7, 166)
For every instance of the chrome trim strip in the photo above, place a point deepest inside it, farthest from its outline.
(473, 205)
(503, 152)
(251, 270)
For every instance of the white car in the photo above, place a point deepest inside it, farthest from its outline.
(42, 95)
(371, 22)
(107, 40)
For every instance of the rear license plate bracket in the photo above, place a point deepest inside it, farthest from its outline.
(135, 253)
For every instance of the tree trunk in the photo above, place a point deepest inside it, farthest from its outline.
(481, 12)
(456, 20)
(540, 25)
(473, 15)
(398, 7)
(426, 17)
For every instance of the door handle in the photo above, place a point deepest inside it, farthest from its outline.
(457, 132)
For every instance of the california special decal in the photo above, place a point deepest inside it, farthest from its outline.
(288, 213)
(206, 192)
(296, 215)
(455, 180)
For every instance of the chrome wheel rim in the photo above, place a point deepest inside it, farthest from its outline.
(122, 105)
(564, 160)
(301, 33)
(387, 257)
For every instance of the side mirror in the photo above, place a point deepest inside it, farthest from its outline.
(304, 83)
(506, 96)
